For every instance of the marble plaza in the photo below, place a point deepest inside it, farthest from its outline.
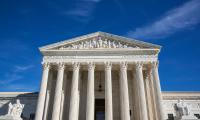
(101, 76)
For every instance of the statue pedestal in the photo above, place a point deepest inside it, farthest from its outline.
(187, 118)
(9, 117)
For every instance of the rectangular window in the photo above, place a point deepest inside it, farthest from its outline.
(32, 116)
(170, 117)
(197, 115)
(99, 109)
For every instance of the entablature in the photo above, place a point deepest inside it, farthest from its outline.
(101, 59)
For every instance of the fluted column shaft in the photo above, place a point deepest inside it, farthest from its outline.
(62, 105)
(153, 98)
(158, 96)
(46, 105)
(124, 97)
(108, 92)
(141, 88)
(42, 94)
(58, 92)
(74, 99)
(90, 93)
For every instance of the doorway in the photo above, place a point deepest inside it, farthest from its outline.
(99, 109)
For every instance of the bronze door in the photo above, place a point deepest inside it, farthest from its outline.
(100, 109)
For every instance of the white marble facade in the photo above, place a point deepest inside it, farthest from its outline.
(100, 76)
(131, 64)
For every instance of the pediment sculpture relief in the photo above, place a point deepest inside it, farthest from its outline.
(97, 43)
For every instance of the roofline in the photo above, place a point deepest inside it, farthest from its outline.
(112, 49)
(97, 33)
(130, 39)
(16, 92)
(68, 40)
(181, 92)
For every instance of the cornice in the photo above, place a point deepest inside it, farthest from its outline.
(11, 95)
(174, 95)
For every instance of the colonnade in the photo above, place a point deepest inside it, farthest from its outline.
(90, 104)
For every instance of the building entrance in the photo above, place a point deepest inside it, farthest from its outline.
(100, 109)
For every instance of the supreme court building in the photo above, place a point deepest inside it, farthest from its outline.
(100, 76)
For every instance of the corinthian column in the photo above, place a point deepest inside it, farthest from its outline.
(141, 89)
(157, 87)
(46, 105)
(152, 94)
(74, 99)
(124, 98)
(42, 94)
(90, 93)
(108, 92)
(58, 92)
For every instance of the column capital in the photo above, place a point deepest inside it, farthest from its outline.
(108, 65)
(46, 65)
(123, 65)
(91, 66)
(75, 65)
(61, 66)
(139, 65)
(154, 64)
(147, 74)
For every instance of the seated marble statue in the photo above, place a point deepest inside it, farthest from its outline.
(14, 111)
(181, 109)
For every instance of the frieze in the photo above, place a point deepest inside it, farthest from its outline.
(85, 59)
(98, 57)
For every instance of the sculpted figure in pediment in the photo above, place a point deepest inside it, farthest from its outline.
(97, 43)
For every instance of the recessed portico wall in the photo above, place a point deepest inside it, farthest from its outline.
(98, 94)
(83, 76)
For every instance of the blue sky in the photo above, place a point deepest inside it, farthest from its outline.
(26, 25)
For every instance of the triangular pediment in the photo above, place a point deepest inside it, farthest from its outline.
(99, 40)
